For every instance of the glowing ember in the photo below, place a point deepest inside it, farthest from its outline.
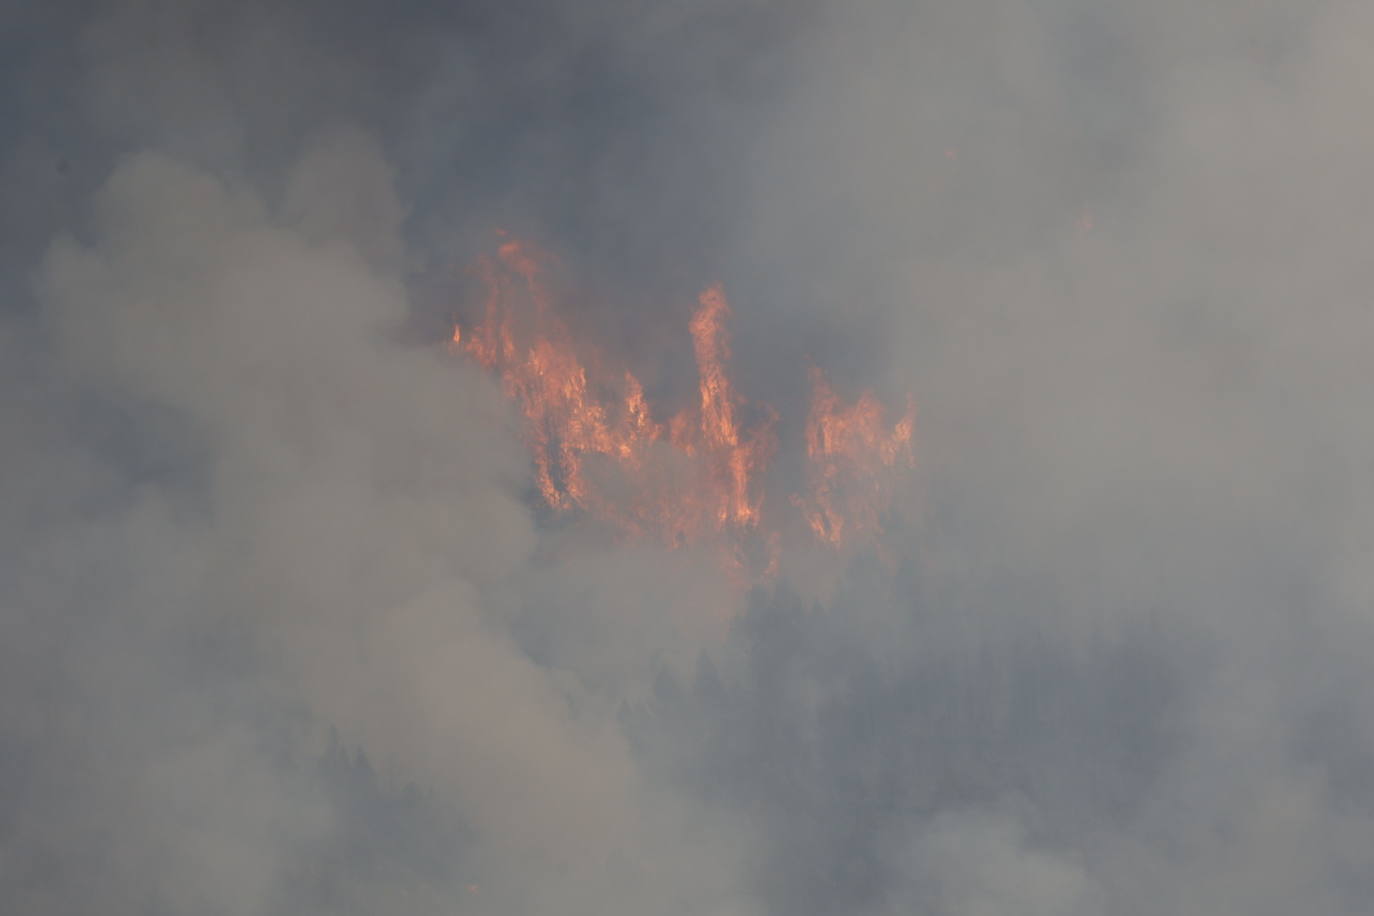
(598, 448)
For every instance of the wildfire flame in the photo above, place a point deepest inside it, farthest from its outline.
(850, 449)
(699, 476)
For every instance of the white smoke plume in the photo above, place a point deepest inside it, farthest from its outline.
(284, 627)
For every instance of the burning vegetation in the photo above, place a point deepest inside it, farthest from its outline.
(696, 476)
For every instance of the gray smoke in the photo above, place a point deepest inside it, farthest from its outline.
(283, 628)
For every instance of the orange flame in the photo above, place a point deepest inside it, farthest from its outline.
(852, 453)
(598, 448)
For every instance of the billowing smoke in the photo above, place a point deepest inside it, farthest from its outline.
(289, 623)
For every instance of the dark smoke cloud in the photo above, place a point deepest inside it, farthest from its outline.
(284, 630)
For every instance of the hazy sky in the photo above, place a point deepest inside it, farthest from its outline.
(284, 628)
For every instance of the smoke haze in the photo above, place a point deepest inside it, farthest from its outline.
(285, 626)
